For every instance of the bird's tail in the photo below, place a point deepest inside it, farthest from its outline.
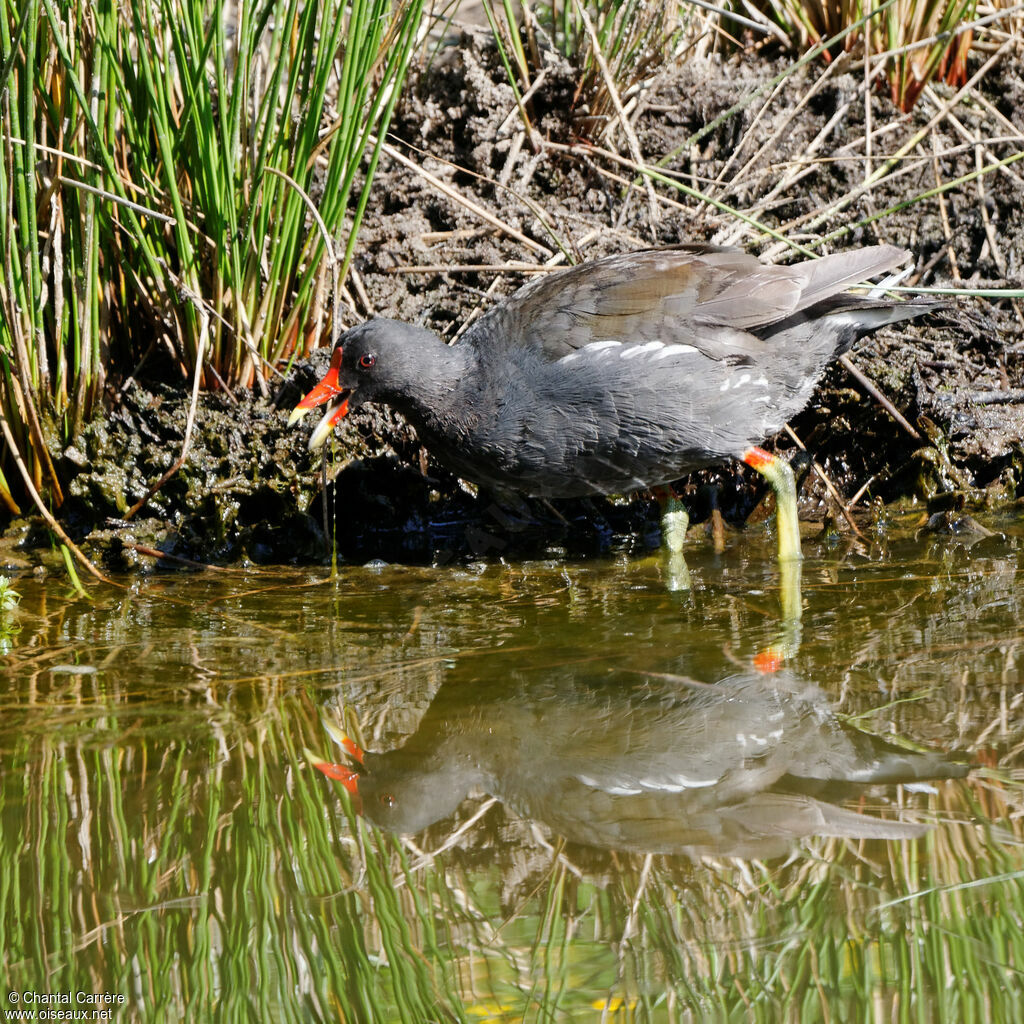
(825, 295)
(830, 275)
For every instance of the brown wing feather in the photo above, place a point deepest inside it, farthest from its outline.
(672, 295)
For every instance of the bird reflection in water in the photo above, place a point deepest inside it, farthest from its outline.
(744, 767)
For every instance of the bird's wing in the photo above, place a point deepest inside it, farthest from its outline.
(702, 296)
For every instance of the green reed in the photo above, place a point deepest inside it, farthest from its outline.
(159, 159)
(634, 40)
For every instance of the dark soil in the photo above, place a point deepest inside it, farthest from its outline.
(250, 490)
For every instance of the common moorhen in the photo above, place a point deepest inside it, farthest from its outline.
(622, 373)
(742, 767)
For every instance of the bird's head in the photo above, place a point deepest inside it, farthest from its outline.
(402, 790)
(381, 360)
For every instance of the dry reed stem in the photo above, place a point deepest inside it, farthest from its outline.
(629, 926)
(475, 208)
(877, 395)
(829, 486)
(190, 420)
(779, 90)
(478, 310)
(613, 93)
(947, 231)
(427, 857)
(526, 97)
(971, 141)
(47, 515)
(473, 268)
(660, 175)
(110, 197)
(364, 296)
(799, 169)
(818, 217)
(990, 234)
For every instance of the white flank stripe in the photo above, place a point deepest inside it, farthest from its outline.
(595, 347)
(620, 789)
(637, 350)
(675, 350)
(676, 783)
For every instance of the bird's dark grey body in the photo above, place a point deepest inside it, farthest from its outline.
(623, 373)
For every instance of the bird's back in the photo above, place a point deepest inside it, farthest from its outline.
(631, 371)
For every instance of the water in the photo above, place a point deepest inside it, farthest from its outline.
(167, 841)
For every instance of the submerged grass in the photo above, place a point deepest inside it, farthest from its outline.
(162, 836)
(224, 882)
(221, 874)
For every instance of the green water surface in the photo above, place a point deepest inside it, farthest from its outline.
(167, 844)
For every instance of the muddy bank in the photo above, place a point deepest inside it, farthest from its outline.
(250, 490)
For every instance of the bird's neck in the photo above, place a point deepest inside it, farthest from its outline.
(435, 395)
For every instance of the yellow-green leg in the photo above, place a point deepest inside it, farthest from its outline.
(674, 521)
(778, 473)
(787, 524)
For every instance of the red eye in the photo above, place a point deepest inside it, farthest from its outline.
(367, 361)
(386, 799)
